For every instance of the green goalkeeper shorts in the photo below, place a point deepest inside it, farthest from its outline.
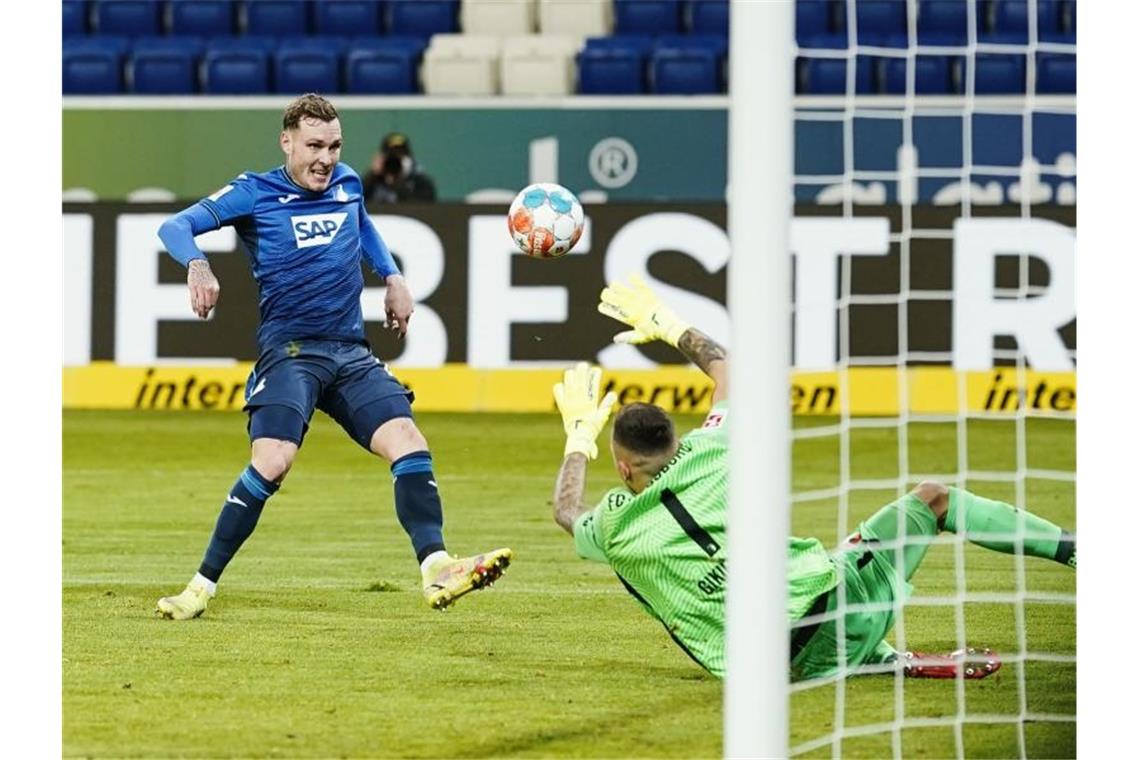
(872, 584)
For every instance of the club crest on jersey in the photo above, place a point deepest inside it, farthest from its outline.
(316, 229)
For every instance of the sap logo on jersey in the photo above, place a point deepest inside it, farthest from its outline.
(316, 229)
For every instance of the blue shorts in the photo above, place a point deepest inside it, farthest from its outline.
(341, 378)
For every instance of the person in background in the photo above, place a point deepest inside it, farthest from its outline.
(395, 176)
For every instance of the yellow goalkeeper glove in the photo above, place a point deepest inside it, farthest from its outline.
(582, 416)
(640, 308)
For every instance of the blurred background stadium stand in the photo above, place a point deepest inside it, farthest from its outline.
(538, 47)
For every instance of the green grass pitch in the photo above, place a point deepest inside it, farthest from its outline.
(319, 643)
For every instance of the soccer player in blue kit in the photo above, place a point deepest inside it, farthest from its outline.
(305, 228)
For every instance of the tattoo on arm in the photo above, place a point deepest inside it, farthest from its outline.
(568, 490)
(700, 349)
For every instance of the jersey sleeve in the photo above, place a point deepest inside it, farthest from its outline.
(232, 201)
(374, 248)
(587, 538)
(715, 423)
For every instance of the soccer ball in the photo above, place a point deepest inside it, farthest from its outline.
(545, 220)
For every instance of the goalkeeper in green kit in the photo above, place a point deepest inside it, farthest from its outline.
(663, 530)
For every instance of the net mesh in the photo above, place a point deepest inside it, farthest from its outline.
(1009, 432)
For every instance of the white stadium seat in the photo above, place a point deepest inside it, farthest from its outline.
(540, 64)
(584, 18)
(497, 17)
(462, 64)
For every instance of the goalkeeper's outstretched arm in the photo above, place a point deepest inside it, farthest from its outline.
(710, 356)
(635, 304)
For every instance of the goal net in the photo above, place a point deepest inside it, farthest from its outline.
(934, 340)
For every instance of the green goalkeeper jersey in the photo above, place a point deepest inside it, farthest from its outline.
(667, 545)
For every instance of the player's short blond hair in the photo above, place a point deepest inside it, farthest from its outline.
(308, 106)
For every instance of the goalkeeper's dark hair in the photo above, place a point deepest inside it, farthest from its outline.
(308, 106)
(643, 429)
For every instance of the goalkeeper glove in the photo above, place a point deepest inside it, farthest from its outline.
(640, 308)
(582, 416)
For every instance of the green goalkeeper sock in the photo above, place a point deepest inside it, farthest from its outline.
(1042, 538)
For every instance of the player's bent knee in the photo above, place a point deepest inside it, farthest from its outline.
(934, 495)
(273, 458)
(396, 438)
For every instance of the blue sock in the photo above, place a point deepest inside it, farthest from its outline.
(237, 521)
(417, 502)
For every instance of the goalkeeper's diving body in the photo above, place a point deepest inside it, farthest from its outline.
(306, 230)
(663, 530)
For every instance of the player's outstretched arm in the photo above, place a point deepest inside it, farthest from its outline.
(710, 356)
(177, 234)
(583, 417)
(635, 304)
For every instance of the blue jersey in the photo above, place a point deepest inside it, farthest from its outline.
(304, 248)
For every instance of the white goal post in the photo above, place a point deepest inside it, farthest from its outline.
(760, 210)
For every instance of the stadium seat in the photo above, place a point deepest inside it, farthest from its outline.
(540, 64)
(942, 22)
(933, 75)
(999, 74)
(1006, 22)
(347, 17)
(881, 22)
(707, 17)
(585, 18)
(281, 17)
(386, 65)
(422, 18)
(462, 64)
(74, 17)
(307, 64)
(1054, 21)
(647, 16)
(240, 68)
(684, 71)
(814, 25)
(127, 17)
(610, 72)
(202, 17)
(164, 66)
(828, 76)
(1056, 74)
(93, 65)
(499, 17)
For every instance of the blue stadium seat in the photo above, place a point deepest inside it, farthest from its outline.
(1056, 74)
(684, 71)
(639, 43)
(647, 16)
(707, 17)
(93, 65)
(1007, 22)
(881, 22)
(202, 17)
(814, 25)
(280, 17)
(127, 17)
(235, 67)
(164, 66)
(422, 18)
(1055, 21)
(613, 65)
(942, 22)
(347, 17)
(386, 65)
(933, 75)
(999, 74)
(306, 68)
(828, 76)
(74, 17)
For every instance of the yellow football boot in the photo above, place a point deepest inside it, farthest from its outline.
(189, 604)
(449, 578)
